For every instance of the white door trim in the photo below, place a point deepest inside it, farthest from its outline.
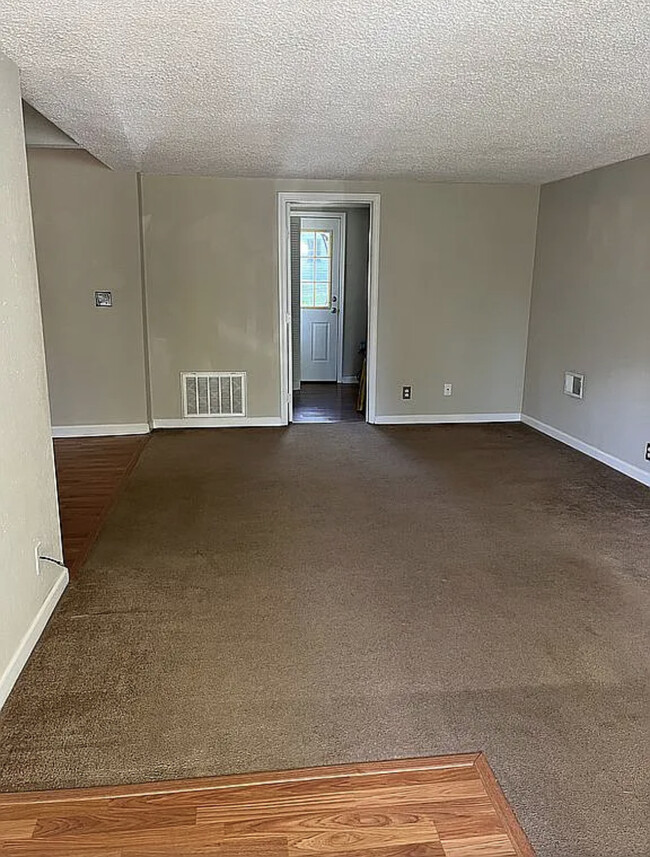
(327, 200)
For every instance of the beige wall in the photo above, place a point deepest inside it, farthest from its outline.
(28, 510)
(86, 232)
(211, 286)
(590, 311)
(455, 277)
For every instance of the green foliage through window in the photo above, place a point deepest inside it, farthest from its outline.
(315, 269)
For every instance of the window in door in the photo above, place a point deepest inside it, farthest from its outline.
(315, 269)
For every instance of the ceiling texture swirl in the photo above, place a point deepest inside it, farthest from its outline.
(450, 90)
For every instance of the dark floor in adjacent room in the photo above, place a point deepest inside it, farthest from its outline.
(267, 599)
(89, 473)
(326, 403)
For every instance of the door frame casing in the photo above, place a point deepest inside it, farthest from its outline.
(342, 218)
(320, 200)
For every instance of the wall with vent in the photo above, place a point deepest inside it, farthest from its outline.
(210, 247)
(455, 277)
(28, 504)
(86, 231)
(591, 309)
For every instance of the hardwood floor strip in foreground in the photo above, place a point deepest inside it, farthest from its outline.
(439, 807)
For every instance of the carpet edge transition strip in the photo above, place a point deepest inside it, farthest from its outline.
(255, 778)
(313, 795)
(502, 807)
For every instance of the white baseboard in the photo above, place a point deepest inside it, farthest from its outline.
(630, 470)
(26, 645)
(349, 379)
(435, 419)
(218, 422)
(100, 430)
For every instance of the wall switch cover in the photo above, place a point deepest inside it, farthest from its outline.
(103, 298)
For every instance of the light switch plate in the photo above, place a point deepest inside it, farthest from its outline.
(103, 298)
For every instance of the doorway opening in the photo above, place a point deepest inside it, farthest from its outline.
(329, 319)
(328, 272)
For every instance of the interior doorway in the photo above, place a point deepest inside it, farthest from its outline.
(319, 278)
(328, 271)
(329, 321)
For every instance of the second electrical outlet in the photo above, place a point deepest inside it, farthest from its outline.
(448, 389)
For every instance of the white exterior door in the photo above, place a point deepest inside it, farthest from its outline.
(320, 293)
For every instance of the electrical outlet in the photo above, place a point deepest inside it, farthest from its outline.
(647, 452)
(406, 391)
(448, 389)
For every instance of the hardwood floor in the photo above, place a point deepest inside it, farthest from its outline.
(89, 473)
(440, 807)
(326, 403)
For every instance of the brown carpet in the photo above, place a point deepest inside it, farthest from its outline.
(265, 599)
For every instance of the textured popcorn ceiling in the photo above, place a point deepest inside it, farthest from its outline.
(498, 90)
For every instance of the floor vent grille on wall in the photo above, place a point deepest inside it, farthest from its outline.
(214, 394)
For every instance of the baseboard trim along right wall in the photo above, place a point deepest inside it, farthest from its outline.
(589, 315)
(604, 457)
(436, 419)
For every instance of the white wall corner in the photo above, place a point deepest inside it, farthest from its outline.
(101, 430)
(31, 637)
(631, 470)
(440, 419)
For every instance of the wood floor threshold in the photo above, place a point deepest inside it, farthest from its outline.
(444, 806)
(91, 474)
